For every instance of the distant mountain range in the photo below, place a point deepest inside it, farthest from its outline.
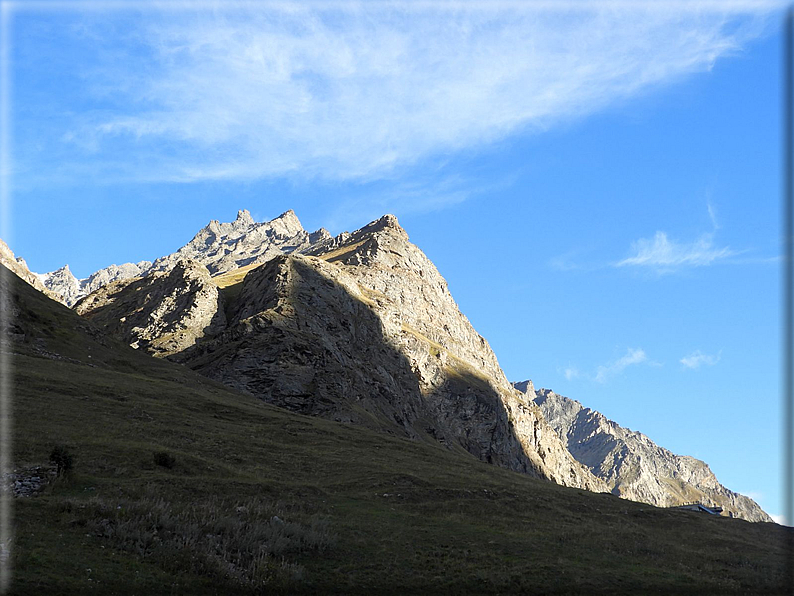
(361, 328)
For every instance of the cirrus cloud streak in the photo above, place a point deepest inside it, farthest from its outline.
(355, 91)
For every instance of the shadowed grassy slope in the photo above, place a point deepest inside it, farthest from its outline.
(394, 515)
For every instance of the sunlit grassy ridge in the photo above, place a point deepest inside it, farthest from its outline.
(235, 276)
(366, 512)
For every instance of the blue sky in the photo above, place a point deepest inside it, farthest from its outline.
(599, 182)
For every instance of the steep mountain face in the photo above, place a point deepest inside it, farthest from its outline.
(632, 465)
(18, 266)
(220, 247)
(365, 331)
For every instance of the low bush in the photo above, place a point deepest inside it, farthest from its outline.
(164, 459)
(63, 460)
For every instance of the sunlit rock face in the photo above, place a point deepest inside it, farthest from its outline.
(164, 312)
(18, 266)
(633, 466)
(220, 247)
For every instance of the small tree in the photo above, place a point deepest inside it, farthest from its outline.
(62, 459)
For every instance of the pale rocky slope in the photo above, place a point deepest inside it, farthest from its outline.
(164, 312)
(632, 465)
(221, 247)
(366, 333)
(20, 267)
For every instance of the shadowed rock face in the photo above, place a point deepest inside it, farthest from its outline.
(164, 312)
(632, 465)
(364, 332)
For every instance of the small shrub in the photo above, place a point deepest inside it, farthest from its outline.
(164, 459)
(62, 459)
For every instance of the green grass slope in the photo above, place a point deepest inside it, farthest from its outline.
(247, 498)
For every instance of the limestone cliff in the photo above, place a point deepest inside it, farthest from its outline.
(632, 465)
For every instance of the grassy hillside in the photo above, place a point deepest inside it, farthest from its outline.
(181, 486)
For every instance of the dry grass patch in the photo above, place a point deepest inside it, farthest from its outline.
(248, 542)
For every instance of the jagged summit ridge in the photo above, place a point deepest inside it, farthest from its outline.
(219, 246)
(223, 247)
(632, 465)
(20, 268)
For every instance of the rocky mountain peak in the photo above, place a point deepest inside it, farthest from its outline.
(363, 331)
(20, 268)
(164, 312)
(527, 388)
(287, 224)
(244, 217)
(387, 221)
(632, 465)
(63, 282)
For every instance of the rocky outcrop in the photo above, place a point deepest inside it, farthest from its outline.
(28, 481)
(362, 331)
(221, 247)
(164, 312)
(63, 283)
(69, 289)
(632, 465)
(20, 268)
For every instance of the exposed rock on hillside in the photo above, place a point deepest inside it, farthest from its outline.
(221, 247)
(164, 312)
(631, 464)
(63, 283)
(20, 267)
(368, 333)
(69, 289)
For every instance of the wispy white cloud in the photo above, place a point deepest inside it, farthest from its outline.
(355, 91)
(778, 519)
(633, 356)
(570, 372)
(697, 359)
(665, 255)
(712, 215)
(418, 195)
